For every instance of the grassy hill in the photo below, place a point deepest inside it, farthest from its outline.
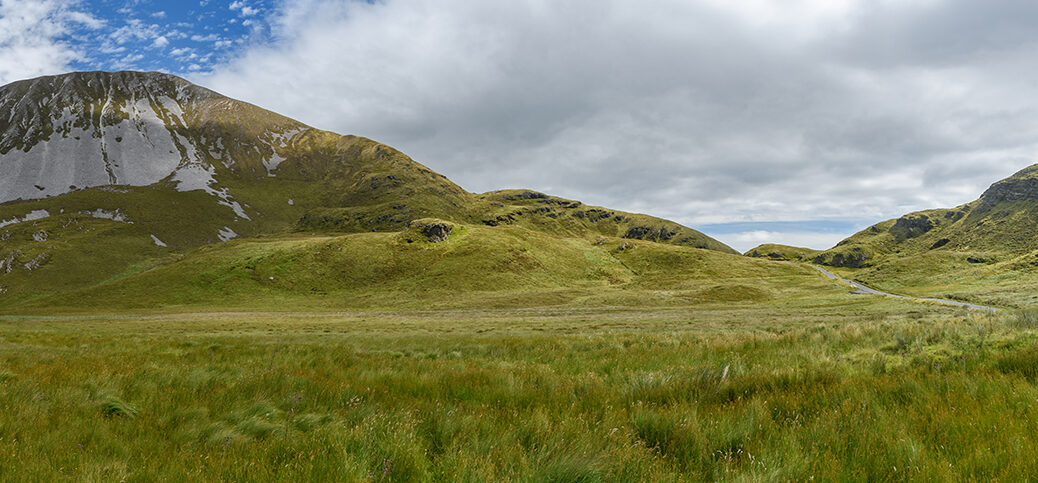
(234, 171)
(981, 251)
(782, 252)
(475, 266)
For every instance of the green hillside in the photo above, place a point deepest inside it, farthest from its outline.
(774, 251)
(475, 266)
(234, 171)
(981, 251)
(1004, 221)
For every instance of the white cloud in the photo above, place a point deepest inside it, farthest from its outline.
(83, 18)
(245, 10)
(31, 33)
(181, 52)
(160, 42)
(111, 49)
(135, 30)
(127, 62)
(745, 241)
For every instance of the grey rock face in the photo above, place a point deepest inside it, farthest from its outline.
(437, 232)
(650, 233)
(911, 226)
(1009, 190)
(90, 129)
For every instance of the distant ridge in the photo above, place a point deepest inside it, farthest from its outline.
(782, 252)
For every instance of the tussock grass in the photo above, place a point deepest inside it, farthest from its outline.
(113, 407)
(831, 392)
(1025, 319)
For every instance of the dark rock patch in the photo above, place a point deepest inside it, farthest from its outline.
(650, 234)
(1008, 191)
(437, 232)
(503, 219)
(854, 259)
(624, 247)
(911, 226)
(531, 195)
(594, 216)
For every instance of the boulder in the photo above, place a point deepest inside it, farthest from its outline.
(437, 232)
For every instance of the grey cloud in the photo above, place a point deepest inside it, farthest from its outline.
(689, 110)
(940, 33)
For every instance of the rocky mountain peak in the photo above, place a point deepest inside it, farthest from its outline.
(88, 129)
(1019, 187)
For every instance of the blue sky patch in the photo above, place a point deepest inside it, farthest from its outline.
(176, 37)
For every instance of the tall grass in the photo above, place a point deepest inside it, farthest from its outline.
(1025, 319)
(405, 397)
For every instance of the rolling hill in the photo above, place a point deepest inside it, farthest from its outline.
(986, 250)
(142, 189)
(773, 251)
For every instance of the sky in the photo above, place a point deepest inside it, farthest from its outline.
(784, 121)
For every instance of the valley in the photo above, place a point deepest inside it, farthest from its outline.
(192, 287)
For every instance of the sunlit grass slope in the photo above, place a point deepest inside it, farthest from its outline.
(834, 388)
(477, 266)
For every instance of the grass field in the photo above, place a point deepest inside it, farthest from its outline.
(338, 338)
(835, 387)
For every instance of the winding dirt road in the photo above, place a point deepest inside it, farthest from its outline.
(863, 290)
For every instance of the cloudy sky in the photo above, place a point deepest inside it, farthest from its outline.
(789, 121)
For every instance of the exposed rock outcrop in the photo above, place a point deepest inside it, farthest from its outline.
(911, 226)
(650, 233)
(437, 232)
(1020, 187)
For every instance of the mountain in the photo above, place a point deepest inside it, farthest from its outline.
(1004, 221)
(93, 129)
(987, 247)
(105, 176)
